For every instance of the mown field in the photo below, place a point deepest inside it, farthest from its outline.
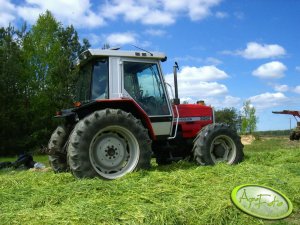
(181, 193)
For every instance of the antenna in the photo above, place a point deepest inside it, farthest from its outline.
(142, 49)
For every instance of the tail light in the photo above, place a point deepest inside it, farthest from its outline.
(77, 104)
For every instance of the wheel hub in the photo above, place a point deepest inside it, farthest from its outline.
(219, 151)
(223, 149)
(111, 151)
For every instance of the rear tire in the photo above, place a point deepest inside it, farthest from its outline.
(108, 143)
(217, 143)
(58, 156)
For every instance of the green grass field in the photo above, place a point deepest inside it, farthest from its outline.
(181, 193)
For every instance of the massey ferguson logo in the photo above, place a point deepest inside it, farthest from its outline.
(193, 119)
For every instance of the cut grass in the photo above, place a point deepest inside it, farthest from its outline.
(181, 193)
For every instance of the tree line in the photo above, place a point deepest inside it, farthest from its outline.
(36, 80)
(245, 122)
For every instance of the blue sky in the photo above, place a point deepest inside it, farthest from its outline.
(229, 51)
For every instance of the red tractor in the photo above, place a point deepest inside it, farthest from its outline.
(124, 116)
(295, 134)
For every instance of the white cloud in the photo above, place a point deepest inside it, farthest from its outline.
(188, 58)
(200, 83)
(129, 9)
(158, 18)
(173, 5)
(199, 9)
(271, 70)
(221, 102)
(196, 83)
(231, 101)
(268, 100)
(155, 32)
(204, 73)
(259, 51)
(76, 12)
(195, 9)
(239, 15)
(221, 15)
(121, 38)
(90, 14)
(157, 12)
(281, 88)
(297, 89)
(95, 40)
(207, 61)
(201, 89)
(212, 61)
(7, 13)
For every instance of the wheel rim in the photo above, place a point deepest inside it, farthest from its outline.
(114, 151)
(223, 149)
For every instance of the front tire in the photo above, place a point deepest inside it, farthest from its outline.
(217, 143)
(108, 143)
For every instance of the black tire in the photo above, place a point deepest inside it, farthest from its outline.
(217, 143)
(58, 156)
(109, 144)
(293, 136)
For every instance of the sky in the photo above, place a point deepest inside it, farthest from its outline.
(228, 51)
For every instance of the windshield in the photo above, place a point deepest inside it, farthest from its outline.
(100, 80)
(92, 81)
(82, 92)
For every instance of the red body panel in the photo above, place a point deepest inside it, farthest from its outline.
(116, 103)
(192, 118)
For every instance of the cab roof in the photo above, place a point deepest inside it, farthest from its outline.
(121, 53)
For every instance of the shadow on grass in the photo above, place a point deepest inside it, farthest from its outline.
(173, 166)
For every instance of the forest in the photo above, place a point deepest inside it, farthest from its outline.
(37, 80)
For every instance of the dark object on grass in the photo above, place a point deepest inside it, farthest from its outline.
(5, 165)
(25, 160)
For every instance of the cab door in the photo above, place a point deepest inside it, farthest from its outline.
(143, 82)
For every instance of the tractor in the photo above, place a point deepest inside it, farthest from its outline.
(123, 117)
(295, 134)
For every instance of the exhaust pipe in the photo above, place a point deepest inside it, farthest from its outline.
(176, 99)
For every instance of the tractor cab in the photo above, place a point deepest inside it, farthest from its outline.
(113, 75)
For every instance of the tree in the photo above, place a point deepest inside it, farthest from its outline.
(249, 119)
(36, 80)
(13, 89)
(49, 50)
(228, 116)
